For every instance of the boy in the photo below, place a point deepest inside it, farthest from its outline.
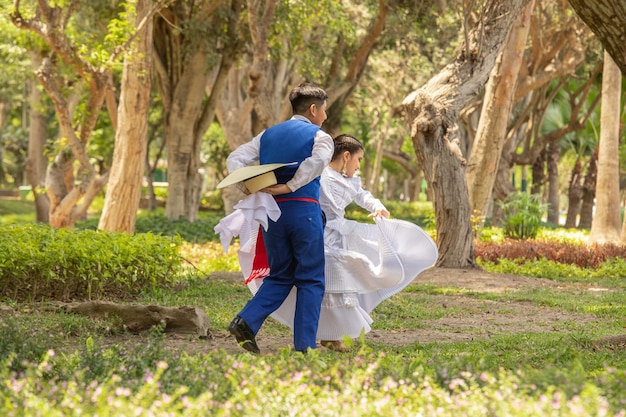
(295, 242)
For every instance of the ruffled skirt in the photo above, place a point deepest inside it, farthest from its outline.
(371, 263)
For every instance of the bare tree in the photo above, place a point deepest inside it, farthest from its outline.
(432, 113)
(124, 187)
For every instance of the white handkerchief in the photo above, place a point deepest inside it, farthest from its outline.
(259, 207)
(229, 227)
(252, 211)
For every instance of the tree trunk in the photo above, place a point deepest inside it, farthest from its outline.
(490, 136)
(183, 67)
(37, 162)
(574, 195)
(607, 19)
(553, 183)
(538, 172)
(4, 110)
(183, 159)
(503, 186)
(432, 113)
(589, 193)
(606, 225)
(124, 189)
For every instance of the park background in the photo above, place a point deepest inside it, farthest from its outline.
(494, 125)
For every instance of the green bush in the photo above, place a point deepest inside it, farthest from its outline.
(522, 215)
(200, 231)
(417, 212)
(39, 262)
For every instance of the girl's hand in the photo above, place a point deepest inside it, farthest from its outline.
(379, 213)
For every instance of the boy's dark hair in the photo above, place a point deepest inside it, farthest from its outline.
(348, 143)
(304, 95)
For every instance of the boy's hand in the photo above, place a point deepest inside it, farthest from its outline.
(276, 189)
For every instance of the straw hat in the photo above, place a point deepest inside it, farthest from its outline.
(255, 177)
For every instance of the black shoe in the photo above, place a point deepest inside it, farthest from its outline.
(243, 334)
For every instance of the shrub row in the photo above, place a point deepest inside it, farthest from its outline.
(583, 256)
(39, 262)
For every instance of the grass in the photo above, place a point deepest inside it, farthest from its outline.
(13, 211)
(53, 363)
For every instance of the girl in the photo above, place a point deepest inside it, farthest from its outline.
(365, 263)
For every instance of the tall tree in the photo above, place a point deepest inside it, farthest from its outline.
(606, 226)
(558, 46)
(589, 193)
(37, 138)
(491, 134)
(432, 113)
(124, 187)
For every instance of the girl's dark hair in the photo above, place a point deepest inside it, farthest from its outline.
(302, 96)
(348, 143)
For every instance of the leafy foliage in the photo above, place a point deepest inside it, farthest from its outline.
(200, 231)
(416, 212)
(150, 381)
(37, 261)
(522, 215)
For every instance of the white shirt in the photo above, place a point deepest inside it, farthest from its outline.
(309, 169)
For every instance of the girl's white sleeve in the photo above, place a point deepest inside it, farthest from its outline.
(366, 200)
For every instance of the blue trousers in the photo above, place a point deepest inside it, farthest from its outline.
(295, 253)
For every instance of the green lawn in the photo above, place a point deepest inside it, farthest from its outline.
(57, 364)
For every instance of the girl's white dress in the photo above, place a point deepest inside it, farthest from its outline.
(365, 262)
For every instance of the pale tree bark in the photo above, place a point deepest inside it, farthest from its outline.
(607, 19)
(432, 113)
(37, 161)
(124, 188)
(183, 65)
(557, 46)
(606, 226)
(485, 156)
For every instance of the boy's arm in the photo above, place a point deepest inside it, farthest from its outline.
(245, 154)
(313, 166)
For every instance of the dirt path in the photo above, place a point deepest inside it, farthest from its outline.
(477, 318)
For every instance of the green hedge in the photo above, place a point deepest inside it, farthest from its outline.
(200, 231)
(39, 262)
